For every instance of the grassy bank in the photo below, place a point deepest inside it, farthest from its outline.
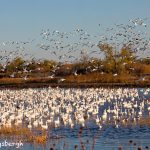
(81, 81)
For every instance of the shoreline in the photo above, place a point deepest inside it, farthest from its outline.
(72, 85)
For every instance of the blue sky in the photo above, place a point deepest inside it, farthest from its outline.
(23, 19)
(20, 19)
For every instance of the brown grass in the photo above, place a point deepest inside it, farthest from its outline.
(28, 135)
(21, 80)
(96, 77)
(146, 69)
(11, 80)
(144, 121)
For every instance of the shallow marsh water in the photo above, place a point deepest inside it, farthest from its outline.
(109, 137)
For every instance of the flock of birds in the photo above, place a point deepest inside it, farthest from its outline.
(60, 107)
(69, 46)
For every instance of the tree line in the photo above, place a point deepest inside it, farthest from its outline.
(121, 62)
